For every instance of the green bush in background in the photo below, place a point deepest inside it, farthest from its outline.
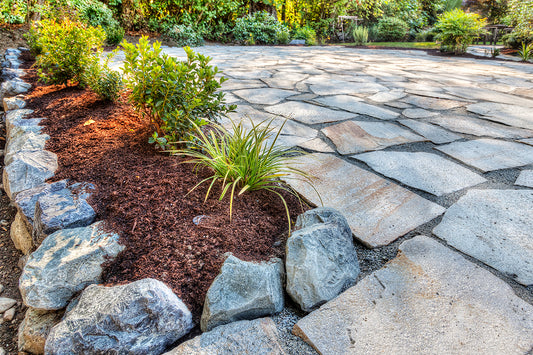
(263, 27)
(306, 33)
(458, 29)
(391, 29)
(185, 36)
(360, 35)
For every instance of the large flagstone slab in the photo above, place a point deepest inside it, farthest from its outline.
(264, 96)
(355, 104)
(527, 141)
(434, 133)
(339, 87)
(493, 226)
(479, 127)
(418, 113)
(489, 95)
(428, 300)
(232, 84)
(517, 116)
(430, 103)
(378, 211)
(525, 178)
(351, 137)
(423, 171)
(308, 113)
(386, 96)
(490, 154)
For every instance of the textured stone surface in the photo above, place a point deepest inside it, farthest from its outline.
(26, 200)
(28, 141)
(386, 96)
(352, 137)
(66, 262)
(428, 300)
(434, 133)
(15, 116)
(424, 171)
(22, 127)
(20, 235)
(243, 290)
(264, 96)
(489, 95)
(355, 105)
(34, 329)
(378, 211)
(430, 103)
(27, 170)
(339, 87)
(490, 154)
(143, 317)
(13, 103)
(6, 303)
(321, 260)
(525, 178)
(258, 336)
(493, 226)
(479, 127)
(308, 113)
(13, 87)
(508, 114)
(317, 145)
(418, 113)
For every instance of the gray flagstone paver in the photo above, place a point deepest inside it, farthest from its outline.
(308, 113)
(493, 226)
(428, 300)
(525, 178)
(478, 127)
(517, 116)
(430, 103)
(356, 105)
(434, 133)
(378, 211)
(418, 113)
(490, 154)
(488, 95)
(264, 96)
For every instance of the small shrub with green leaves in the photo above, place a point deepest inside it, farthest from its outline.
(283, 37)
(263, 27)
(427, 35)
(185, 36)
(360, 35)
(67, 48)
(458, 29)
(391, 29)
(526, 52)
(306, 33)
(243, 160)
(104, 81)
(174, 95)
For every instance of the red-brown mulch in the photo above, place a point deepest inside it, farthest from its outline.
(144, 196)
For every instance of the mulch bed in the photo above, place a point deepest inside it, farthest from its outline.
(144, 196)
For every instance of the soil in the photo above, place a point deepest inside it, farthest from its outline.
(11, 36)
(146, 197)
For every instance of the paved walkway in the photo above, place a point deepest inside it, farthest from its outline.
(401, 141)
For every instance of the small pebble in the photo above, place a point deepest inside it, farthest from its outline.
(2, 351)
(1, 289)
(6, 303)
(9, 315)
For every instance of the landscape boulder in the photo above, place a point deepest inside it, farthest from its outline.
(13, 103)
(14, 86)
(28, 141)
(10, 73)
(143, 317)
(34, 329)
(27, 170)
(20, 235)
(65, 263)
(321, 260)
(243, 290)
(258, 336)
(14, 116)
(22, 126)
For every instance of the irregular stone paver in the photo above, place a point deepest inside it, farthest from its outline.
(488, 95)
(308, 113)
(479, 127)
(424, 171)
(352, 137)
(429, 103)
(508, 114)
(493, 226)
(264, 96)
(427, 300)
(434, 133)
(418, 113)
(527, 141)
(525, 178)
(338, 87)
(378, 211)
(317, 145)
(386, 96)
(354, 104)
(232, 84)
(490, 154)
(258, 336)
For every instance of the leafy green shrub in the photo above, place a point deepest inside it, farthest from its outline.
(516, 39)
(95, 13)
(13, 11)
(185, 35)
(243, 160)
(174, 95)
(526, 52)
(360, 35)
(114, 34)
(104, 81)
(263, 27)
(457, 29)
(67, 49)
(283, 37)
(306, 33)
(427, 35)
(392, 29)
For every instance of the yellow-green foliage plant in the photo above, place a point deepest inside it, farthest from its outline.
(243, 160)
(458, 29)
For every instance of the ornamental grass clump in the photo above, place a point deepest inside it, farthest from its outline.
(243, 160)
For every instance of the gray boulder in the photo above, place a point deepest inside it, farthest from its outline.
(13, 51)
(34, 330)
(26, 200)
(28, 141)
(15, 116)
(143, 317)
(13, 103)
(23, 126)
(11, 63)
(321, 260)
(10, 73)
(259, 337)
(66, 262)
(243, 290)
(14, 86)
(27, 170)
